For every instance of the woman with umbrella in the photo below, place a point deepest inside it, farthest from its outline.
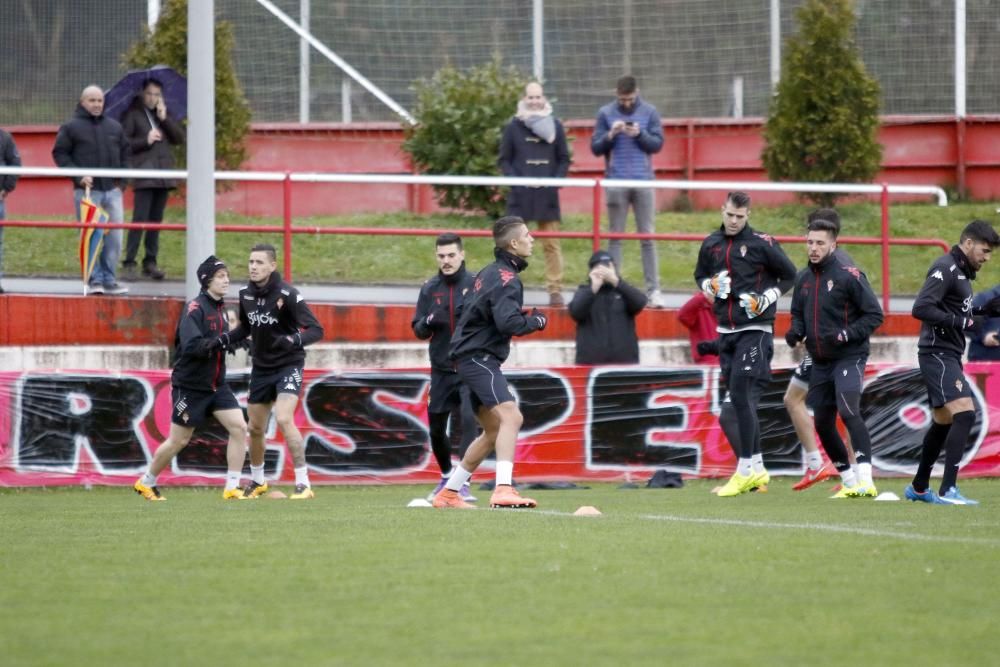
(150, 131)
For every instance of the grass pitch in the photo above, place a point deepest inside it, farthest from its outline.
(355, 578)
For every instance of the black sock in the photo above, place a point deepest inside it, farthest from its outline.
(439, 440)
(954, 447)
(929, 453)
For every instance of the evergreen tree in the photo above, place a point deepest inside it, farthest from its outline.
(824, 118)
(167, 45)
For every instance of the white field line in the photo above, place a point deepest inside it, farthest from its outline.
(820, 527)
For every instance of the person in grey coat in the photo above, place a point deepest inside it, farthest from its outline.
(534, 146)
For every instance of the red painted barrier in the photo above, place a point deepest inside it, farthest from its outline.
(917, 149)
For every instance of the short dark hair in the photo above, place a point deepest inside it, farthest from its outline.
(626, 85)
(824, 214)
(272, 254)
(824, 225)
(980, 230)
(504, 230)
(448, 238)
(151, 80)
(738, 199)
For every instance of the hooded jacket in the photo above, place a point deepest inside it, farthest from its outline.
(834, 309)
(200, 362)
(605, 322)
(944, 304)
(756, 263)
(91, 141)
(492, 312)
(136, 124)
(272, 312)
(441, 297)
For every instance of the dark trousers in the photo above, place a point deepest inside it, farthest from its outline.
(148, 207)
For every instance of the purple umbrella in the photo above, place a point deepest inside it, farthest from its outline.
(118, 99)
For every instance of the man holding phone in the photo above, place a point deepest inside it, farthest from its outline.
(627, 133)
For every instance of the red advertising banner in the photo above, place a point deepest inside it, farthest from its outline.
(370, 426)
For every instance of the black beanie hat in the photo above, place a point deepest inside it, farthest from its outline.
(208, 269)
(600, 257)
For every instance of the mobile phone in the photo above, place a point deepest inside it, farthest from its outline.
(630, 123)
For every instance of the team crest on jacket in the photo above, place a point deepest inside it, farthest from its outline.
(829, 285)
(506, 276)
(743, 251)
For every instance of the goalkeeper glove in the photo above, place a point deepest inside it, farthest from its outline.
(718, 286)
(755, 304)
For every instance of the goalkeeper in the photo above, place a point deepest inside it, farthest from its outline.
(745, 271)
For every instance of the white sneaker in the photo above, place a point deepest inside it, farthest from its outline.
(655, 299)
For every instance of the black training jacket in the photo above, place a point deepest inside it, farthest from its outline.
(830, 298)
(9, 157)
(755, 262)
(605, 323)
(199, 365)
(492, 312)
(944, 304)
(89, 141)
(443, 297)
(272, 312)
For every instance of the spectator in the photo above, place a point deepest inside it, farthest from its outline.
(534, 146)
(698, 317)
(9, 157)
(91, 139)
(150, 132)
(984, 342)
(627, 133)
(604, 309)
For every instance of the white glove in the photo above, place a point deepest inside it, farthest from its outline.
(755, 304)
(718, 286)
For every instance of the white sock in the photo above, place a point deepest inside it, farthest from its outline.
(459, 476)
(505, 473)
(232, 480)
(744, 467)
(814, 460)
(257, 473)
(865, 473)
(757, 460)
(849, 478)
(302, 475)
(854, 469)
(148, 480)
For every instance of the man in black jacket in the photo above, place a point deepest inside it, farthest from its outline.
(150, 132)
(480, 344)
(438, 309)
(835, 312)
(280, 325)
(9, 157)
(198, 383)
(605, 309)
(534, 146)
(91, 139)
(944, 308)
(745, 271)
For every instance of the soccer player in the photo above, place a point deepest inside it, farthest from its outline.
(438, 308)
(745, 271)
(944, 308)
(280, 325)
(835, 312)
(198, 383)
(481, 343)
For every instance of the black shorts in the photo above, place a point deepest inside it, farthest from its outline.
(803, 371)
(944, 378)
(446, 392)
(746, 354)
(833, 379)
(487, 385)
(191, 408)
(265, 386)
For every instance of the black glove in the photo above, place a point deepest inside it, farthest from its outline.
(285, 343)
(973, 322)
(232, 348)
(437, 318)
(539, 319)
(219, 342)
(836, 338)
(707, 347)
(792, 337)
